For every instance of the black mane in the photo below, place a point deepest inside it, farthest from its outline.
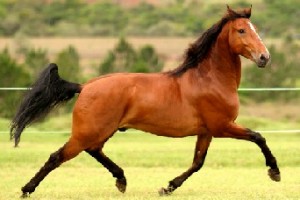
(199, 50)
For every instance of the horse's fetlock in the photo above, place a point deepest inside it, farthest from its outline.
(272, 162)
(174, 184)
(118, 173)
(28, 188)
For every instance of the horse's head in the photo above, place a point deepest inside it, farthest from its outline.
(244, 40)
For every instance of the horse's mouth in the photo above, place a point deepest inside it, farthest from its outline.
(261, 65)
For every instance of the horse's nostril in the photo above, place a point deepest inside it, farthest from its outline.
(263, 57)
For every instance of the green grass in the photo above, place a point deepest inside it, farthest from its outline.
(233, 169)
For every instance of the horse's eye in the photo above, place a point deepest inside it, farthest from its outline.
(241, 30)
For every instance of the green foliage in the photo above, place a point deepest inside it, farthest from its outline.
(125, 59)
(35, 61)
(10, 77)
(23, 17)
(281, 17)
(105, 18)
(108, 62)
(282, 72)
(148, 60)
(69, 66)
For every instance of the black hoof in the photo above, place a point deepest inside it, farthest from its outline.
(25, 195)
(165, 192)
(121, 184)
(274, 174)
(28, 189)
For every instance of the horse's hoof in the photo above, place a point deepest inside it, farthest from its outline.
(121, 184)
(163, 192)
(274, 174)
(25, 195)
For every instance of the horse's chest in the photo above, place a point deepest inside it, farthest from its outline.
(217, 110)
(217, 103)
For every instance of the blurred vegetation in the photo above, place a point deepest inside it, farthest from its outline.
(11, 72)
(124, 58)
(281, 73)
(105, 18)
(68, 62)
(35, 59)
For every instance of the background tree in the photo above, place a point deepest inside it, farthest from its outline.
(68, 61)
(147, 60)
(11, 74)
(282, 72)
(35, 61)
(124, 58)
(120, 59)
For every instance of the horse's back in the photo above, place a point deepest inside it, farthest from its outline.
(116, 91)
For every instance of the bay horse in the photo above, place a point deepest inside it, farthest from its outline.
(199, 98)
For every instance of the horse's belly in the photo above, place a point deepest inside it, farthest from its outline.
(169, 126)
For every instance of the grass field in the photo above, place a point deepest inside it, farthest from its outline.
(233, 169)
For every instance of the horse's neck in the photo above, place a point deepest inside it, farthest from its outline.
(225, 64)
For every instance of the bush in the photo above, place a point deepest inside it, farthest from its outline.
(10, 77)
(35, 61)
(282, 72)
(123, 58)
(148, 59)
(68, 63)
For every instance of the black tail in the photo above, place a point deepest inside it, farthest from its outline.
(46, 93)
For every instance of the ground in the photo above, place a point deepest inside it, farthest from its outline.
(233, 169)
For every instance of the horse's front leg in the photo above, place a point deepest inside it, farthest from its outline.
(202, 145)
(237, 132)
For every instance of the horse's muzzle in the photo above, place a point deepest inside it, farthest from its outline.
(262, 60)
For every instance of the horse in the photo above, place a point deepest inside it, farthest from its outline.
(198, 98)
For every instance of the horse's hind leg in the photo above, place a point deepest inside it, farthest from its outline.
(116, 171)
(67, 152)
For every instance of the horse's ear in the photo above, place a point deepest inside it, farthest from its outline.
(248, 11)
(230, 11)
